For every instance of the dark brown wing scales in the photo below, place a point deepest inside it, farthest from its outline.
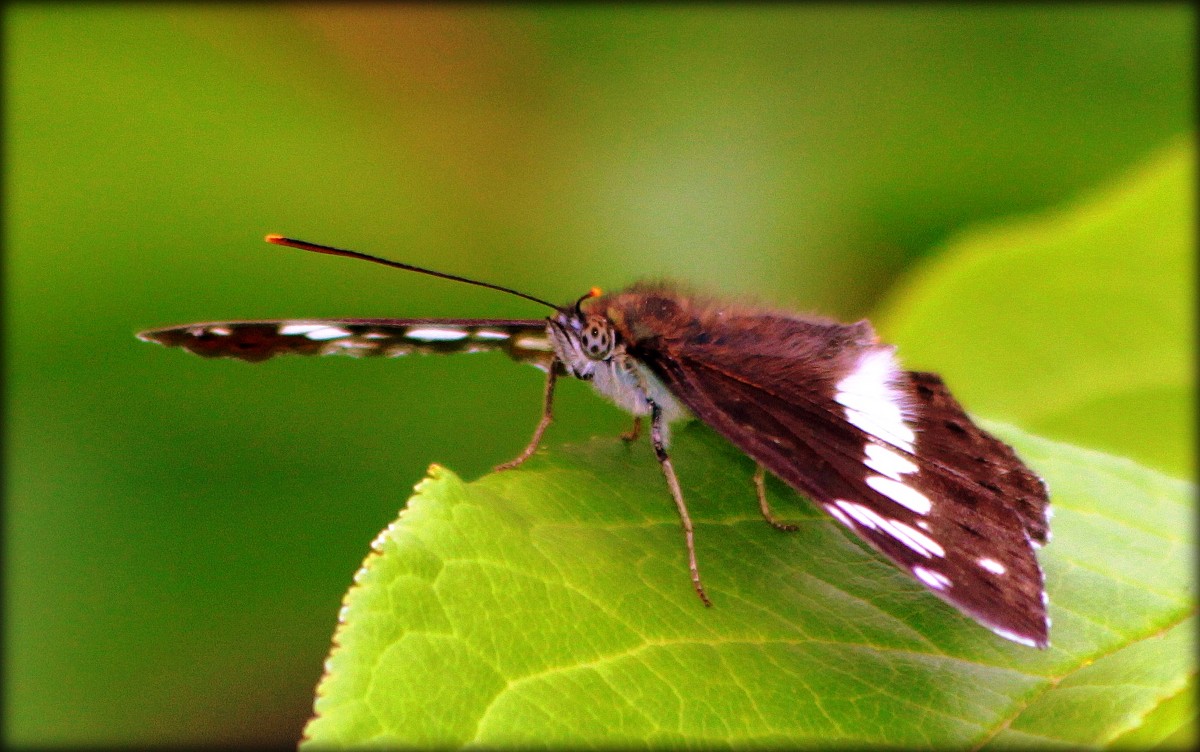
(968, 451)
(890, 455)
(523, 340)
(957, 537)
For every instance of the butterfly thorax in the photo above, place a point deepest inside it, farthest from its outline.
(591, 349)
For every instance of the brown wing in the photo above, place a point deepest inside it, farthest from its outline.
(523, 340)
(963, 448)
(953, 506)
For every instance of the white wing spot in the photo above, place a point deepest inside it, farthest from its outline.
(914, 539)
(905, 496)
(436, 335)
(313, 331)
(290, 329)
(992, 565)
(935, 580)
(1049, 513)
(896, 434)
(221, 331)
(837, 515)
(534, 343)
(886, 462)
(327, 332)
(905, 534)
(1013, 636)
(870, 401)
(860, 513)
(490, 334)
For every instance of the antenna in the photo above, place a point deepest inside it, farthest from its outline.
(315, 248)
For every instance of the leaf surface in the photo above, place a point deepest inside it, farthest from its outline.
(1078, 324)
(550, 606)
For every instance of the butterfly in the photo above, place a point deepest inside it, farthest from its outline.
(824, 406)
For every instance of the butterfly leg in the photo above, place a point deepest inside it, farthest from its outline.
(547, 416)
(634, 432)
(660, 450)
(760, 486)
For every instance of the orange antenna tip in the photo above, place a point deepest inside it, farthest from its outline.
(595, 292)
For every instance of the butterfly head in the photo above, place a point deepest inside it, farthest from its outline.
(582, 340)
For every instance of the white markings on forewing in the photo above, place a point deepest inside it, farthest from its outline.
(915, 539)
(872, 403)
(429, 334)
(838, 515)
(992, 565)
(905, 534)
(315, 332)
(893, 432)
(906, 496)
(1049, 512)
(1013, 636)
(292, 329)
(887, 462)
(935, 580)
(491, 334)
(865, 516)
(534, 343)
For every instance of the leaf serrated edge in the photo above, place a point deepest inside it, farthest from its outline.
(435, 475)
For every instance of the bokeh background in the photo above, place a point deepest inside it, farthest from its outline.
(179, 532)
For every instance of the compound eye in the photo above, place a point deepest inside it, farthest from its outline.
(596, 338)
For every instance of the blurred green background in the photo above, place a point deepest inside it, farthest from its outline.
(179, 532)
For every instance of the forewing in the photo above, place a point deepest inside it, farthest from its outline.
(903, 467)
(964, 449)
(523, 340)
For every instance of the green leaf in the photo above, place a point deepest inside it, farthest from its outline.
(551, 606)
(1171, 725)
(1077, 325)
